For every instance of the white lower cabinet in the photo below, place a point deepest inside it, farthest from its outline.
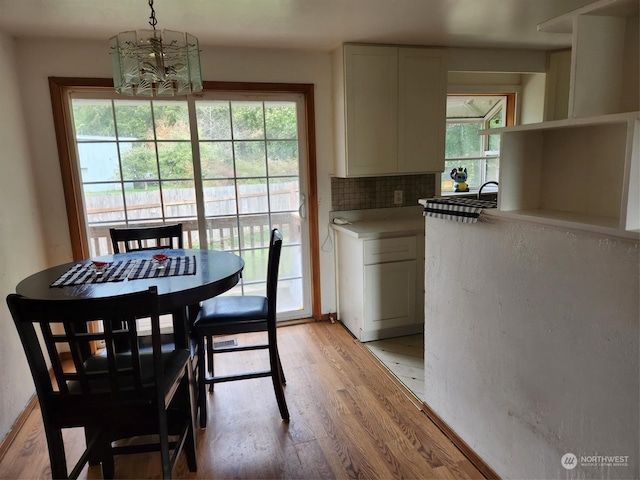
(381, 285)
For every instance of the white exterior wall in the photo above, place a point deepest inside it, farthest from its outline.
(531, 344)
(21, 242)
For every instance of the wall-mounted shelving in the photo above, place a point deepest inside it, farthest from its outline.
(583, 172)
(604, 74)
(579, 173)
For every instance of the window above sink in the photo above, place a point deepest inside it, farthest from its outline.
(478, 154)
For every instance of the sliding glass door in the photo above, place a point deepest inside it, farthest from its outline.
(252, 175)
(228, 167)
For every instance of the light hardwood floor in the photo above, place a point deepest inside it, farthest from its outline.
(349, 419)
(404, 357)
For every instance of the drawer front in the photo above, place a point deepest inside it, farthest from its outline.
(389, 250)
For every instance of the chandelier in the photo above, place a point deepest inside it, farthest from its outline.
(153, 63)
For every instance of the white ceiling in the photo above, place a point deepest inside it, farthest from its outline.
(319, 25)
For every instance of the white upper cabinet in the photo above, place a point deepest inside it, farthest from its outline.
(389, 110)
(422, 110)
(371, 98)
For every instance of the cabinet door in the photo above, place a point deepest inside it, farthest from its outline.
(371, 85)
(390, 295)
(422, 110)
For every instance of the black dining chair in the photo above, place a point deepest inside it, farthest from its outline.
(146, 238)
(114, 396)
(230, 315)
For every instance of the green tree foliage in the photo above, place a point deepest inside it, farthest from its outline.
(93, 118)
(252, 123)
(462, 140)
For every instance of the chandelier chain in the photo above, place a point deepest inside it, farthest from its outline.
(152, 18)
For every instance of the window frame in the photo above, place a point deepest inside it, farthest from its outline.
(509, 107)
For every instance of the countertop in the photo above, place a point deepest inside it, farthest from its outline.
(387, 228)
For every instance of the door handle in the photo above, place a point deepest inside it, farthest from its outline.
(302, 209)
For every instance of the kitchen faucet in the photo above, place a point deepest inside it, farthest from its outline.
(484, 185)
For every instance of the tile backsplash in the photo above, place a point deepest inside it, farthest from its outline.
(377, 192)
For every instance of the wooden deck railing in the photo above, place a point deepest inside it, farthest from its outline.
(222, 233)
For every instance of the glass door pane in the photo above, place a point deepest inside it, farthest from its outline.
(136, 166)
(251, 179)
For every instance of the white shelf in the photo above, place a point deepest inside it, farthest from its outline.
(583, 172)
(565, 123)
(578, 173)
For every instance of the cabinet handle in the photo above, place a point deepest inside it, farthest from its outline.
(302, 209)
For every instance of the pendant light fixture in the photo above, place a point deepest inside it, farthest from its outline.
(153, 63)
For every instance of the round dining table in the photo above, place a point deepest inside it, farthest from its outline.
(216, 272)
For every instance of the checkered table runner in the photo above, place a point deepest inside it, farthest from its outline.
(148, 268)
(459, 209)
(83, 273)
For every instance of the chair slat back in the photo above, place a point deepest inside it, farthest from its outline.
(273, 264)
(147, 238)
(92, 375)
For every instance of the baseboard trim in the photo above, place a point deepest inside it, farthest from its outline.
(467, 451)
(17, 426)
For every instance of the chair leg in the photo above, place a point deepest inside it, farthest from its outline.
(276, 369)
(202, 375)
(108, 469)
(101, 453)
(210, 359)
(190, 449)
(282, 379)
(163, 433)
(56, 452)
(95, 457)
(108, 465)
(190, 438)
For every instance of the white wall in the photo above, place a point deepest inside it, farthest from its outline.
(21, 241)
(531, 344)
(532, 98)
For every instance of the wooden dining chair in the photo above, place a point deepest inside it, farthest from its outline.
(230, 315)
(113, 396)
(146, 238)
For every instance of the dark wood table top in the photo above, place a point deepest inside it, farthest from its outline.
(216, 272)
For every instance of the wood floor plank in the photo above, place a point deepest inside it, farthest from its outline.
(348, 420)
(314, 462)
